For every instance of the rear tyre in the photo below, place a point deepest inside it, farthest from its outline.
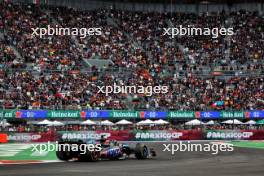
(64, 156)
(141, 151)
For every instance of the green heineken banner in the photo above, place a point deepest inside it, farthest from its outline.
(63, 114)
(233, 115)
(124, 114)
(7, 114)
(181, 114)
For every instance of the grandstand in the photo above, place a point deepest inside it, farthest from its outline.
(62, 72)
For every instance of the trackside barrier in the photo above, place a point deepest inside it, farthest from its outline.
(134, 135)
(3, 138)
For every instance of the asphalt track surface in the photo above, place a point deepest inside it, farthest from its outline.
(240, 162)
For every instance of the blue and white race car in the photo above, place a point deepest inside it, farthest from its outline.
(109, 150)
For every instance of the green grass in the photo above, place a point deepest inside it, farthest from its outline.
(26, 155)
(249, 144)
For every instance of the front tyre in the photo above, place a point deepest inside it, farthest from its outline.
(141, 151)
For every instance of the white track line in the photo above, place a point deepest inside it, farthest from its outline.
(29, 162)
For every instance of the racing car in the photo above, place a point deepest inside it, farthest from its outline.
(109, 151)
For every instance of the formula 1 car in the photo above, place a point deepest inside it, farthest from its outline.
(111, 151)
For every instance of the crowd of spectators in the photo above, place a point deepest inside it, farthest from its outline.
(6, 53)
(135, 42)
